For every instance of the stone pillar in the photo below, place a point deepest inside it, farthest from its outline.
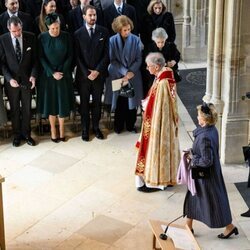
(235, 82)
(228, 76)
(210, 51)
(194, 31)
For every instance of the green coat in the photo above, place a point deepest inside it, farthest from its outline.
(55, 97)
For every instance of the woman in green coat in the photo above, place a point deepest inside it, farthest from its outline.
(55, 90)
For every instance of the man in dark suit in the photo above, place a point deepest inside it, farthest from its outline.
(92, 50)
(140, 9)
(13, 9)
(102, 4)
(76, 20)
(18, 59)
(116, 9)
(33, 7)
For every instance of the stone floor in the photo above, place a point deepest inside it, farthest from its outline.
(81, 195)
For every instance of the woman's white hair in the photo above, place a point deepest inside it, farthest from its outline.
(159, 33)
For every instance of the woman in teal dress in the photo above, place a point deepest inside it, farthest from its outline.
(55, 90)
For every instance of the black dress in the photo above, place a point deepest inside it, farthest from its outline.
(55, 97)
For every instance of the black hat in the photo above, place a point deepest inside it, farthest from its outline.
(205, 108)
(51, 18)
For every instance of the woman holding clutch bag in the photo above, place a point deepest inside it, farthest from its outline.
(210, 205)
(125, 61)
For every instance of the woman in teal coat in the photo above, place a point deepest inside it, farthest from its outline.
(55, 90)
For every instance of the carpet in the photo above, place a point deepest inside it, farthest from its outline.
(191, 89)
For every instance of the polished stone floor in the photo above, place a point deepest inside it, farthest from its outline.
(81, 195)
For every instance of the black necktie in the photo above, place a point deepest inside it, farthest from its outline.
(91, 32)
(119, 9)
(18, 51)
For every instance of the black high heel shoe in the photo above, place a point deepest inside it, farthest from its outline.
(234, 231)
(62, 139)
(54, 140)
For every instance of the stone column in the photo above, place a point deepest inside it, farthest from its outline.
(218, 54)
(194, 36)
(227, 75)
(210, 51)
(235, 81)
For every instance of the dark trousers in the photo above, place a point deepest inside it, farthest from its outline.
(124, 115)
(94, 88)
(20, 112)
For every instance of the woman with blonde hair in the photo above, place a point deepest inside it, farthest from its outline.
(125, 61)
(210, 205)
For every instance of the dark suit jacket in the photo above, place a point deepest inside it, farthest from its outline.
(76, 21)
(111, 13)
(102, 4)
(91, 53)
(33, 7)
(28, 24)
(141, 10)
(11, 69)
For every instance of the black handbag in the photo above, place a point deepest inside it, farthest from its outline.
(127, 90)
(201, 173)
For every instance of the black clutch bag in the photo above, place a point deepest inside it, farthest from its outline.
(201, 173)
(127, 91)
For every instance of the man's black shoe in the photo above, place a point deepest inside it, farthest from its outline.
(133, 130)
(16, 142)
(146, 189)
(85, 136)
(98, 134)
(30, 141)
(246, 214)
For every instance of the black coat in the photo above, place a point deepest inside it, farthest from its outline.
(165, 21)
(11, 69)
(111, 13)
(141, 11)
(92, 53)
(33, 7)
(28, 24)
(102, 4)
(169, 51)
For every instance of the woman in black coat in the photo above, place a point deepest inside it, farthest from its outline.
(169, 51)
(210, 205)
(157, 17)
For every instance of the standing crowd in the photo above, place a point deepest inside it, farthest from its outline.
(43, 42)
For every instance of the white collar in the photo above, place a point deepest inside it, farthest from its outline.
(88, 27)
(13, 38)
(117, 6)
(11, 14)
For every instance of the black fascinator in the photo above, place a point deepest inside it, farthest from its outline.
(205, 108)
(51, 18)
